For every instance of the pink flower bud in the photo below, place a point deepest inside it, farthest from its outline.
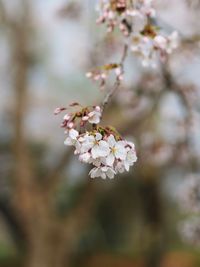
(70, 125)
(58, 110)
(66, 117)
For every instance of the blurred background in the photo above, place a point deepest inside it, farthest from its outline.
(51, 213)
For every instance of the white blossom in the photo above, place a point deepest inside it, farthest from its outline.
(102, 172)
(85, 157)
(131, 158)
(117, 150)
(105, 153)
(98, 147)
(133, 21)
(94, 116)
(71, 138)
(139, 20)
(160, 42)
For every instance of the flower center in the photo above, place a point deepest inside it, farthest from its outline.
(113, 150)
(96, 142)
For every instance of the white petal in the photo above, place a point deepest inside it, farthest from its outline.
(94, 117)
(78, 148)
(120, 167)
(110, 173)
(120, 152)
(104, 149)
(98, 136)
(95, 152)
(111, 141)
(94, 120)
(126, 165)
(131, 157)
(68, 141)
(85, 157)
(103, 175)
(110, 159)
(73, 134)
(96, 162)
(139, 21)
(89, 139)
(160, 41)
(95, 172)
(87, 143)
(122, 143)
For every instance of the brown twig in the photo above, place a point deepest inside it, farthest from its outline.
(117, 83)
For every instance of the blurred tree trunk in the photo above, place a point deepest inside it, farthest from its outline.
(154, 223)
(47, 247)
(50, 238)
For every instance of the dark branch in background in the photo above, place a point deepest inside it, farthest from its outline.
(179, 91)
(174, 87)
(15, 226)
(53, 177)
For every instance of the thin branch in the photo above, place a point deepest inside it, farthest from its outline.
(117, 83)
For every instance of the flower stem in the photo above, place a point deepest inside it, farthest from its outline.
(117, 83)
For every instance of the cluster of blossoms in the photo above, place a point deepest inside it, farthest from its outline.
(100, 146)
(101, 74)
(134, 18)
(80, 117)
(151, 46)
(127, 15)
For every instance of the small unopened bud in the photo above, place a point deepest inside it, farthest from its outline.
(70, 125)
(58, 110)
(66, 117)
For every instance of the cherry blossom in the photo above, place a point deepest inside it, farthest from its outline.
(131, 158)
(102, 172)
(133, 19)
(71, 138)
(95, 116)
(98, 147)
(117, 150)
(101, 147)
(101, 74)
